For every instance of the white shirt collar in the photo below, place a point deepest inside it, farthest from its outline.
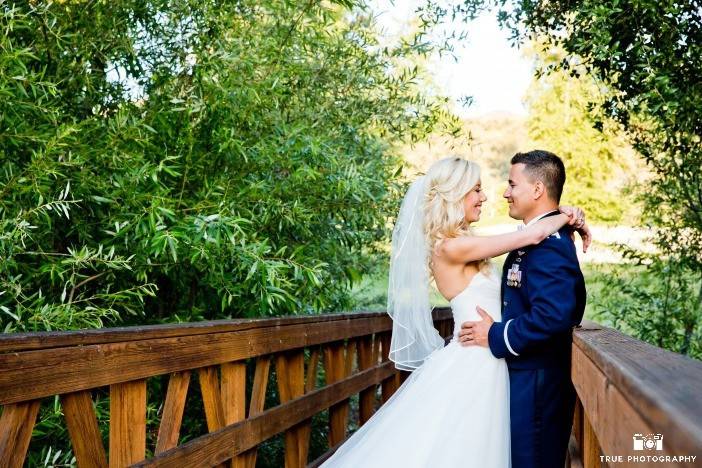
(538, 217)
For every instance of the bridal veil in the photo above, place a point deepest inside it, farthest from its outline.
(414, 337)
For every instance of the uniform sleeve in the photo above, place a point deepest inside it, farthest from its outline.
(497, 340)
(552, 291)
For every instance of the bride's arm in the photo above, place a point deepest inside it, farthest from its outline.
(472, 248)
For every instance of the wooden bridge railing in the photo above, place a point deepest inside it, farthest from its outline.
(625, 389)
(352, 348)
(628, 390)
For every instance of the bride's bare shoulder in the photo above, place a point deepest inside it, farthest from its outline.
(443, 248)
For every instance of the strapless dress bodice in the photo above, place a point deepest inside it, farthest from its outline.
(484, 291)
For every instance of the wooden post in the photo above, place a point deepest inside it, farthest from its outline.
(574, 458)
(310, 385)
(234, 399)
(258, 399)
(366, 399)
(172, 417)
(290, 370)
(390, 384)
(312, 364)
(349, 361)
(578, 423)
(591, 447)
(16, 424)
(335, 367)
(127, 423)
(211, 398)
(83, 429)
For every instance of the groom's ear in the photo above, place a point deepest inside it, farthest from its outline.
(539, 190)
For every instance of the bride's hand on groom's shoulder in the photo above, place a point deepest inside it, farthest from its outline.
(575, 213)
(577, 221)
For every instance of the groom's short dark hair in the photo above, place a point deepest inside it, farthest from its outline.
(546, 167)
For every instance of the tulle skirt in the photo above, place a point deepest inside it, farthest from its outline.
(453, 411)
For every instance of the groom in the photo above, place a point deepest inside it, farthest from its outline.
(543, 297)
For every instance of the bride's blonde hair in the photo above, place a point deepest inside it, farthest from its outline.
(448, 182)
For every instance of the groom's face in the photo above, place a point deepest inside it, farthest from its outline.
(519, 193)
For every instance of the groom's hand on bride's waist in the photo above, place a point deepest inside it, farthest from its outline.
(476, 333)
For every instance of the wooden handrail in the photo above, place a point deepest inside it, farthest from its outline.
(627, 387)
(40, 373)
(56, 339)
(353, 349)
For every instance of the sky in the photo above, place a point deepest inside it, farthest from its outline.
(485, 66)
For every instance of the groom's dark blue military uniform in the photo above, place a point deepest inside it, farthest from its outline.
(543, 298)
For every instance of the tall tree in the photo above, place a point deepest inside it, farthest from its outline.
(598, 162)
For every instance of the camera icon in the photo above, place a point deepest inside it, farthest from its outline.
(648, 442)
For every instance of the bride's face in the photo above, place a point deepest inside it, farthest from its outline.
(472, 203)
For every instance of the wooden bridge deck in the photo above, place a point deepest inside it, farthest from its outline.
(624, 386)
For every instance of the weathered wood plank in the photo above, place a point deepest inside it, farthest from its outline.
(16, 424)
(612, 419)
(35, 374)
(641, 386)
(234, 391)
(173, 408)
(335, 370)
(366, 399)
(377, 355)
(111, 355)
(219, 446)
(390, 384)
(591, 447)
(127, 423)
(311, 379)
(260, 383)
(290, 371)
(83, 428)
(578, 424)
(258, 400)
(350, 357)
(234, 399)
(611, 415)
(14, 342)
(310, 385)
(211, 398)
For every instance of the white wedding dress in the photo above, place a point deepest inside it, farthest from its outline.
(452, 411)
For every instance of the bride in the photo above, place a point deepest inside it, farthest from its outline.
(453, 410)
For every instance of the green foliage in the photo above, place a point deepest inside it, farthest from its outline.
(561, 120)
(654, 302)
(652, 66)
(180, 160)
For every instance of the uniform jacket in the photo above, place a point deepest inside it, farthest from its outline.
(543, 298)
